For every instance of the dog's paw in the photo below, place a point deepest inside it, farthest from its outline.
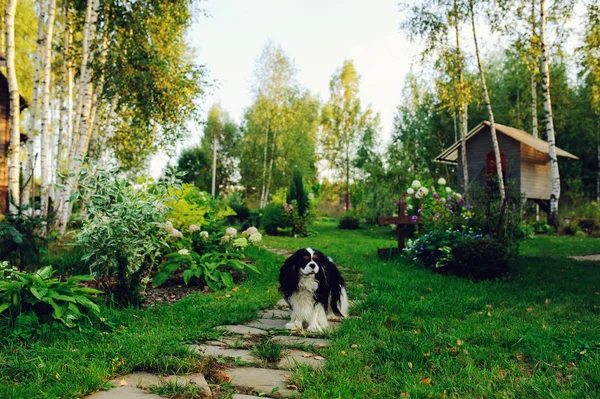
(291, 326)
(314, 329)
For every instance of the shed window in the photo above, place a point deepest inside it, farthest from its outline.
(490, 163)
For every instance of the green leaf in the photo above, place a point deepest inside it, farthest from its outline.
(187, 276)
(87, 303)
(44, 273)
(3, 307)
(35, 293)
(227, 280)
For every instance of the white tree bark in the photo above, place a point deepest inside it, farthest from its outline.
(263, 189)
(214, 168)
(555, 193)
(29, 192)
(488, 104)
(464, 125)
(45, 144)
(15, 105)
(82, 142)
(95, 111)
(107, 130)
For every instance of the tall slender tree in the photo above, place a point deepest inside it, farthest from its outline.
(15, 108)
(555, 193)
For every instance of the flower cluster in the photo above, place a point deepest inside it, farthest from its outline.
(250, 236)
(435, 207)
(173, 232)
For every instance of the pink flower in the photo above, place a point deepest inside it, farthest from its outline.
(193, 228)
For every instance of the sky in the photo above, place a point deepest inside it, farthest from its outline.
(318, 35)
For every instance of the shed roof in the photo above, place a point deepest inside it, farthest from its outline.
(450, 155)
(22, 102)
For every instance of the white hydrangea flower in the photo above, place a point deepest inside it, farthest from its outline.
(240, 242)
(425, 191)
(442, 200)
(194, 227)
(176, 233)
(410, 191)
(458, 195)
(448, 190)
(409, 207)
(419, 194)
(311, 196)
(231, 232)
(183, 252)
(441, 181)
(249, 231)
(255, 238)
(204, 235)
(416, 184)
(225, 239)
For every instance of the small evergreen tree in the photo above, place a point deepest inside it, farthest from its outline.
(296, 192)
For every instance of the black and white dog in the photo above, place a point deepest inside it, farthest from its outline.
(314, 288)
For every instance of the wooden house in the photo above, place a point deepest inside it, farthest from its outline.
(5, 136)
(525, 159)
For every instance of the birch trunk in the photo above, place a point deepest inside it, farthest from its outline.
(263, 188)
(464, 111)
(214, 168)
(82, 139)
(46, 109)
(29, 192)
(555, 193)
(534, 120)
(94, 115)
(83, 72)
(110, 115)
(488, 105)
(15, 105)
(270, 173)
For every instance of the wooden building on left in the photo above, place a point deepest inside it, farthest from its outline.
(5, 136)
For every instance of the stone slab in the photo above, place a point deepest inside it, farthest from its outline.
(240, 396)
(261, 380)
(125, 392)
(269, 324)
(592, 258)
(218, 351)
(242, 330)
(197, 379)
(139, 379)
(234, 341)
(275, 314)
(291, 340)
(295, 357)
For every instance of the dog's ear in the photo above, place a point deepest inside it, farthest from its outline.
(288, 275)
(335, 281)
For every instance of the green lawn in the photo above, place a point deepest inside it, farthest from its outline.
(536, 335)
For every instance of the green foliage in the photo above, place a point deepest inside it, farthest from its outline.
(20, 242)
(196, 164)
(296, 193)
(253, 220)
(190, 206)
(349, 222)
(268, 350)
(210, 269)
(273, 218)
(479, 259)
(48, 298)
(124, 230)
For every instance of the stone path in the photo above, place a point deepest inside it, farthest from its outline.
(594, 258)
(246, 370)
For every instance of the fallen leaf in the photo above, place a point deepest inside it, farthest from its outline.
(287, 375)
(228, 295)
(520, 356)
(437, 351)
(427, 354)
(547, 301)
(343, 353)
(530, 309)
(571, 364)
(422, 298)
(226, 377)
(136, 316)
(354, 346)
(322, 345)
(425, 380)
(292, 387)
(410, 365)
(404, 395)
(459, 342)
(57, 376)
(235, 289)
(308, 355)
(429, 289)
(417, 331)
(319, 358)
(489, 313)
(122, 383)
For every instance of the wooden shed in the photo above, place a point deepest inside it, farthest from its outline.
(525, 159)
(5, 136)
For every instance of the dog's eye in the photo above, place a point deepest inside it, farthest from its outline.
(306, 257)
(315, 257)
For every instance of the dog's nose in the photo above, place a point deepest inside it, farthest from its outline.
(312, 265)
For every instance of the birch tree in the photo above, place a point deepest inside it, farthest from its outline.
(555, 193)
(15, 107)
(45, 142)
(488, 104)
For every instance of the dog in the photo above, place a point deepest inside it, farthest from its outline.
(315, 290)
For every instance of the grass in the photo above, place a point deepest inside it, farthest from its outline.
(268, 351)
(535, 335)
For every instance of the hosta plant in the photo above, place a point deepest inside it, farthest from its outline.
(49, 298)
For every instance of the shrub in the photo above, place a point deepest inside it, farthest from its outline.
(273, 217)
(541, 227)
(125, 230)
(349, 222)
(48, 298)
(297, 193)
(253, 220)
(188, 205)
(479, 259)
(20, 241)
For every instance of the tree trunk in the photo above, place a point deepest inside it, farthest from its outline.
(534, 120)
(95, 111)
(29, 192)
(82, 142)
(464, 127)
(270, 172)
(15, 108)
(110, 114)
(214, 168)
(46, 110)
(488, 104)
(555, 194)
(263, 188)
